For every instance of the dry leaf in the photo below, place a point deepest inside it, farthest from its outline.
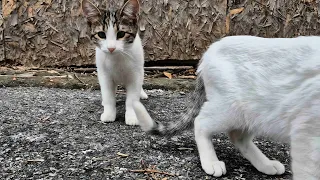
(122, 155)
(7, 7)
(228, 18)
(236, 11)
(169, 75)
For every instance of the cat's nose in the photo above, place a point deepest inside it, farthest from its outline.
(111, 49)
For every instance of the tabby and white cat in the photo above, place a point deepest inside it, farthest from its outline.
(119, 55)
(250, 86)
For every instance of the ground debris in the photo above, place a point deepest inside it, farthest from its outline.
(34, 160)
(152, 172)
(183, 148)
(122, 155)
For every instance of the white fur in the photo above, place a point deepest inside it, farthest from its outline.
(123, 66)
(265, 87)
(111, 41)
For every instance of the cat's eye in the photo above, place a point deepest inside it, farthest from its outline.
(120, 34)
(102, 35)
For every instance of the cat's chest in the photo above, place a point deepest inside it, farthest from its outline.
(121, 70)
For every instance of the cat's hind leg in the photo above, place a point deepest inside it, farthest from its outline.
(243, 141)
(203, 136)
(305, 148)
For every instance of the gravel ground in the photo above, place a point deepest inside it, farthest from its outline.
(56, 134)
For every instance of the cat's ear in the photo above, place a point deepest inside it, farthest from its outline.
(131, 9)
(91, 12)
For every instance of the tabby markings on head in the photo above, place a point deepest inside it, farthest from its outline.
(113, 25)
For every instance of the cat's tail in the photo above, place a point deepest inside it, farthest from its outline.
(196, 100)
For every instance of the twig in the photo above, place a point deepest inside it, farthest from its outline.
(44, 118)
(52, 27)
(57, 44)
(122, 155)
(54, 77)
(75, 75)
(85, 70)
(151, 171)
(34, 160)
(183, 148)
(168, 68)
(187, 77)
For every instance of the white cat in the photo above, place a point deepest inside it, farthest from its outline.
(250, 86)
(119, 55)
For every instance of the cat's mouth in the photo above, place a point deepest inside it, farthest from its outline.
(109, 52)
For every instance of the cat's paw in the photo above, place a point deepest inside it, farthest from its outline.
(215, 168)
(131, 119)
(143, 95)
(108, 116)
(272, 167)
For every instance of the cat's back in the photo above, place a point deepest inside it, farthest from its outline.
(239, 45)
(255, 41)
(269, 80)
(267, 54)
(263, 70)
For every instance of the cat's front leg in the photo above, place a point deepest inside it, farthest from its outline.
(108, 93)
(203, 135)
(133, 94)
